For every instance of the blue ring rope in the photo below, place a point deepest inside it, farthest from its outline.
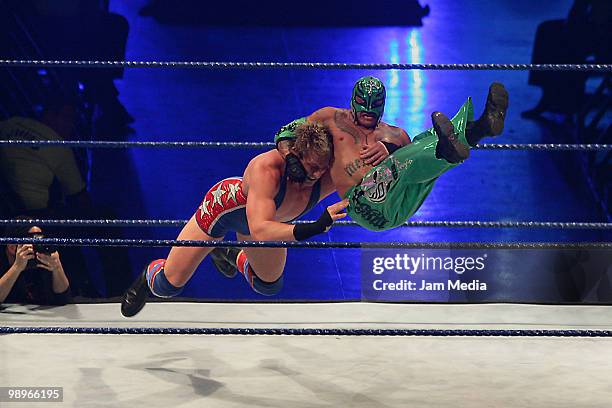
(342, 223)
(308, 332)
(302, 244)
(266, 145)
(301, 65)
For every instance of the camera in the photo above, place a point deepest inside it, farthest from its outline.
(42, 248)
(39, 248)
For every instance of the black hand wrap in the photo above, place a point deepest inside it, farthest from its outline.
(305, 231)
(390, 147)
(294, 169)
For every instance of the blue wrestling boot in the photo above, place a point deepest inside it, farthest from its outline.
(224, 260)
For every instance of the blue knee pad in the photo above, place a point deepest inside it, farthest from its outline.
(267, 288)
(157, 281)
(259, 286)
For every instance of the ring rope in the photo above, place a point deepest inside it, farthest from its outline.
(302, 65)
(308, 332)
(302, 244)
(435, 224)
(262, 145)
(116, 145)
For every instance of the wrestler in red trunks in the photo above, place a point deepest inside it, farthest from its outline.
(272, 192)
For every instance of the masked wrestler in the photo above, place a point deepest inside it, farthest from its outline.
(273, 191)
(384, 175)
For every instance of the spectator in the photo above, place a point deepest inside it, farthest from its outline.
(30, 171)
(584, 34)
(32, 274)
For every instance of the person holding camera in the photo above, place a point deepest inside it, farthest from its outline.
(32, 274)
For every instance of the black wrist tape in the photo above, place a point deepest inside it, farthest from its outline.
(305, 231)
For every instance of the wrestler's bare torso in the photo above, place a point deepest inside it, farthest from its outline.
(271, 166)
(349, 139)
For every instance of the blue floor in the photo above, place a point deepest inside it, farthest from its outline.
(250, 105)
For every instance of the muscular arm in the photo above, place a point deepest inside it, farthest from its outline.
(260, 207)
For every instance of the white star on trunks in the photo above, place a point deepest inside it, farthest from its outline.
(204, 207)
(231, 193)
(218, 193)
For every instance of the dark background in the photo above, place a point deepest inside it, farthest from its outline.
(250, 105)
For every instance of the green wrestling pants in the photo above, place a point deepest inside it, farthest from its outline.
(393, 191)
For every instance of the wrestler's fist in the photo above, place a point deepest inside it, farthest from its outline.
(373, 153)
(336, 211)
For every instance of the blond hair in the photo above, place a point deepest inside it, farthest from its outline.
(313, 139)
